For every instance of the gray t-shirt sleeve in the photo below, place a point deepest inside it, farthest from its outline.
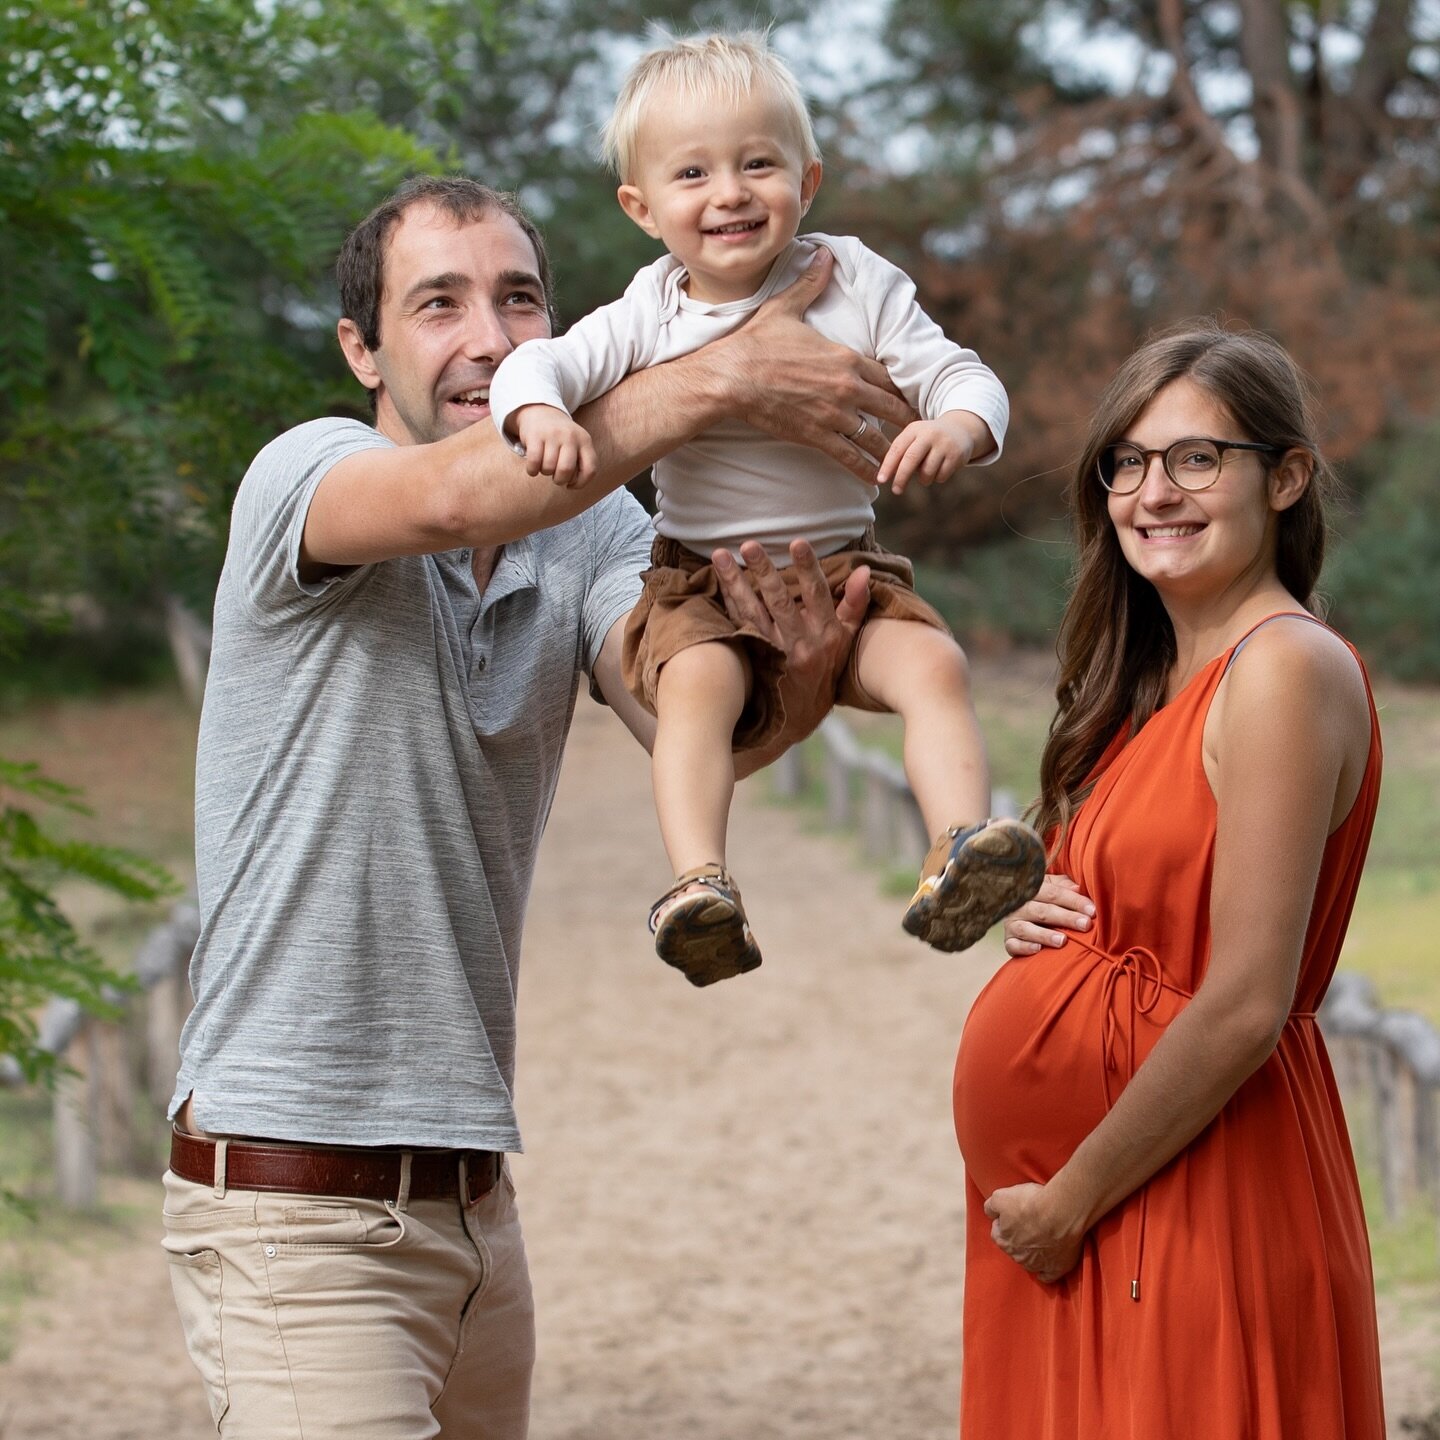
(268, 521)
(620, 538)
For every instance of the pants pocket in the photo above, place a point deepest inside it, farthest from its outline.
(197, 1280)
(302, 1227)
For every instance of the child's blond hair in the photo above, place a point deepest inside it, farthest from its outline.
(707, 68)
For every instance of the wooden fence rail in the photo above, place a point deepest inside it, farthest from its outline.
(117, 1073)
(1387, 1062)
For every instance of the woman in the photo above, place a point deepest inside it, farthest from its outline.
(1165, 1236)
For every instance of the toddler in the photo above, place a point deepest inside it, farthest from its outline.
(712, 142)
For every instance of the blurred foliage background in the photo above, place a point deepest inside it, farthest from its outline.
(1060, 176)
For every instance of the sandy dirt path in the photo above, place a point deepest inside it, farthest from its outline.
(743, 1204)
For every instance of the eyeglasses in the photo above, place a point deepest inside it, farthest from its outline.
(1193, 463)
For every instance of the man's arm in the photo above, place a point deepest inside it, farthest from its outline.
(471, 489)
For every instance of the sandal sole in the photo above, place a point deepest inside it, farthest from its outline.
(706, 939)
(989, 874)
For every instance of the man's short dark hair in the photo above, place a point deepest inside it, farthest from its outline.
(360, 267)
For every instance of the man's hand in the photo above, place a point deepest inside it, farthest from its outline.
(786, 379)
(555, 446)
(931, 451)
(816, 634)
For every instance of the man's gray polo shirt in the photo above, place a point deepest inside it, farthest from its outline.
(377, 758)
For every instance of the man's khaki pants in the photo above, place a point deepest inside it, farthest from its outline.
(310, 1317)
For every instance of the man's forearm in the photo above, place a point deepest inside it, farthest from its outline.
(653, 412)
(484, 496)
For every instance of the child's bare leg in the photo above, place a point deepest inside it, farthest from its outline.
(977, 872)
(699, 923)
(922, 675)
(701, 693)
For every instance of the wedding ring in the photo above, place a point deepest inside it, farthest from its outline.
(857, 433)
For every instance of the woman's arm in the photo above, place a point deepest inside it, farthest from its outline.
(1286, 745)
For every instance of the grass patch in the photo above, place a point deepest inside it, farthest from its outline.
(1392, 939)
(1405, 1251)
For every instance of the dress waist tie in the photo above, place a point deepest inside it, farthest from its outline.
(1141, 967)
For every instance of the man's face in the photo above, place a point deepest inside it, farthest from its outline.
(458, 298)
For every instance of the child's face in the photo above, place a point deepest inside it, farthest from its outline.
(722, 186)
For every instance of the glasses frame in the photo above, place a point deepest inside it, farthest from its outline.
(1145, 455)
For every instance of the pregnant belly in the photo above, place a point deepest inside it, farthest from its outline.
(1032, 1074)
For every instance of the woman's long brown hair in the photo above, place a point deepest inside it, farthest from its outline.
(1116, 645)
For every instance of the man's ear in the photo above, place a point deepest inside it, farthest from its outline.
(632, 202)
(357, 355)
(810, 183)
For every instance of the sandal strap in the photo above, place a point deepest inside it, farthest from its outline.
(939, 853)
(711, 876)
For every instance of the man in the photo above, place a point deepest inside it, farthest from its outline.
(400, 628)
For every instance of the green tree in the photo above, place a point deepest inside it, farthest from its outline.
(167, 214)
(1382, 579)
(520, 101)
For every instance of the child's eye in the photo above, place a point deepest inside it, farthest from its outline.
(690, 172)
(762, 162)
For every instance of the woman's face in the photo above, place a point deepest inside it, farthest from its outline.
(1195, 545)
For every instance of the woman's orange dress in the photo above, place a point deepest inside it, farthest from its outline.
(1255, 1316)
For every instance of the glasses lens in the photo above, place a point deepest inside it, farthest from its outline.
(1122, 467)
(1193, 464)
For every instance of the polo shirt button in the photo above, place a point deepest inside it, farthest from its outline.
(480, 665)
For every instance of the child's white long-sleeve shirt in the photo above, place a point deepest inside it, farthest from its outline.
(734, 482)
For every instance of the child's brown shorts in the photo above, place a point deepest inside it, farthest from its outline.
(681, 605)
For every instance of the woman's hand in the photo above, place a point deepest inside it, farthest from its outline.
(1058, 906)
(1030, 1230)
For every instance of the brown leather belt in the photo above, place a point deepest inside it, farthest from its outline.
(354, 1173)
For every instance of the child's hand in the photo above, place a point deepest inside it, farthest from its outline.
(932, 450)
(555, 445)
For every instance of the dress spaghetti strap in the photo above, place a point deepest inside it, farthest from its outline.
(1281, 615)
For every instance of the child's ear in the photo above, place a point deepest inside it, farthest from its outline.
(810, 183)
(632, 202)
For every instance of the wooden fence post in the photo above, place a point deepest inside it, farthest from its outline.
(96, 1110)
(787, 774)
(114, 1090)
(73, 1111)
(842, 758)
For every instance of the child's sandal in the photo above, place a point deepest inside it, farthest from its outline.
(974, 878)
(700, 928)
